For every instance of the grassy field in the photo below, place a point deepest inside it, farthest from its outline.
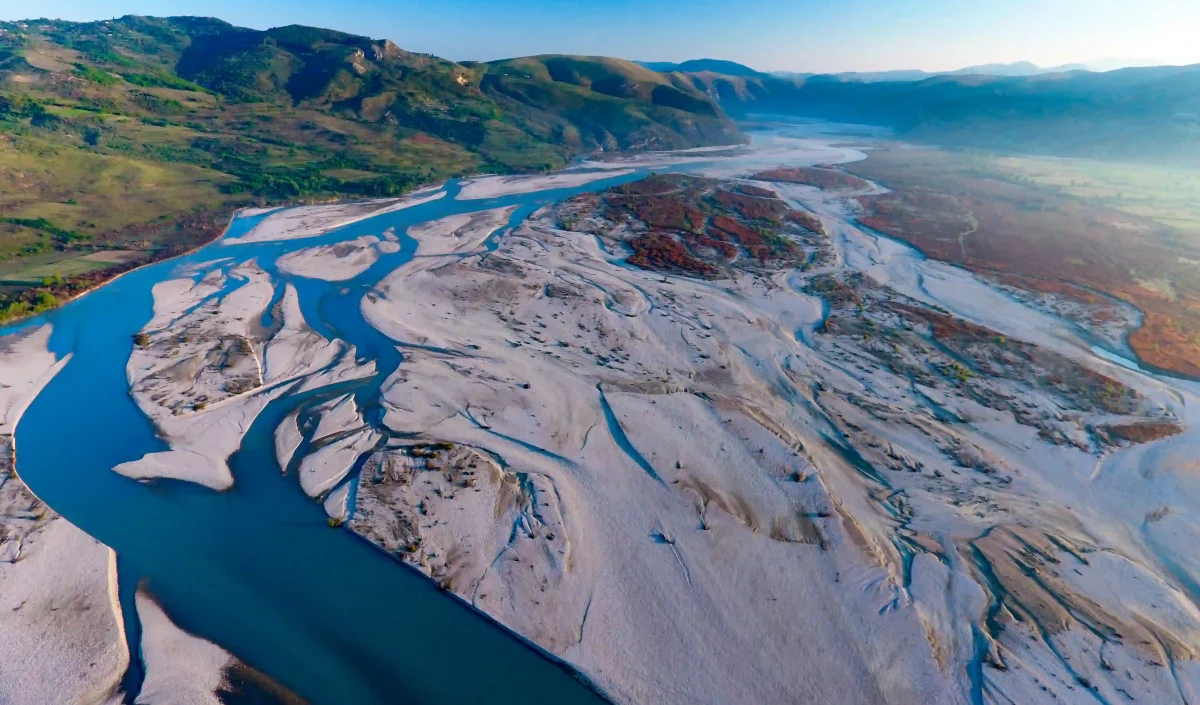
(1165, 194)
(37, 269)
(65, 207)
(97, 194)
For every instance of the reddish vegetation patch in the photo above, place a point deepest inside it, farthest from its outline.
(807, 221)
(733, 231)
(660, 251)
(1142, 432)
(836, 292)
(756, 191)
(654, 185)
(726, 250)
(982, 345)
(664, 212)
(1169, 338)
(952, 208)
(752, 207)
(939, 221)
(828, 179)
(1044, 286)
(699, 226)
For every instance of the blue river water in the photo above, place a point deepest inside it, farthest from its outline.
(256, 569)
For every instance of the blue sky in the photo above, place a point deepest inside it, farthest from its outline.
(797, 35)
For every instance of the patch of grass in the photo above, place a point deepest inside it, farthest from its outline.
(1165, 194)
(45, 226)
(95, 75)
(350, 174)
(62, 268)
(109, 192)
(159, 79)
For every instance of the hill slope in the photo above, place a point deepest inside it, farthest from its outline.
(729, 68)
(189, 117)
(609, 103)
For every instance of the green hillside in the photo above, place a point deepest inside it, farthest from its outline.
(189, 117)
(608, 103)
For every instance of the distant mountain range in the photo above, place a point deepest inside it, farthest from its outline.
(729, 68)
(1019, 68)
(1149, 113)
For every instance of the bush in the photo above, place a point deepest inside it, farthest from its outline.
(63, 235)
(95, 75)
(38, 302)
(159, 106)
(19, 106)
(162, 80)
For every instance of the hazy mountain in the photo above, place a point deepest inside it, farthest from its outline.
(729, 68)
(1135, 113)
(1019, 68)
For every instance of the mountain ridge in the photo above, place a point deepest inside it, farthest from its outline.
(1016, 68)
(729, 68)
(186, 118)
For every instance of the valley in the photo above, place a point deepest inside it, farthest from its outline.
(428, 353)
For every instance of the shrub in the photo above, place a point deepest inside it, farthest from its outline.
(162, 80)
(95, 75)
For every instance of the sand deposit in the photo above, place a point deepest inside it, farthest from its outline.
(493, 186)
(60, 629)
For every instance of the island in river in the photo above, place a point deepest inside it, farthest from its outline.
(697, 436)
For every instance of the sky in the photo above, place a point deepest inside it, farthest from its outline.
(769, 35)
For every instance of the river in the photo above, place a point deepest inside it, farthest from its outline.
(257, 569)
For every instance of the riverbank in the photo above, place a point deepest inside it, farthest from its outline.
(61, 638)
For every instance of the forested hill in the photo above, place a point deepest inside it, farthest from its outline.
(126, 139)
